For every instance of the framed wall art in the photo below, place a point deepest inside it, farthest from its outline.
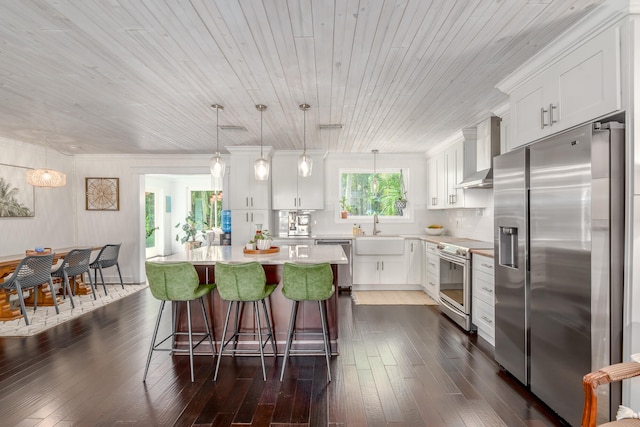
(17, 198)
(102, 194)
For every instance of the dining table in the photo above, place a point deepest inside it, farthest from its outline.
(8, 265)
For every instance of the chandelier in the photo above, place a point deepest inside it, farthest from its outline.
(48, 178)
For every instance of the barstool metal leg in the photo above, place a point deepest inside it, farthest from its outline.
(273, 342)
(255, 309)
(325, 336)
(292, 323)
(153, 340)
(208, 329)
(190, 338)
(222, 340)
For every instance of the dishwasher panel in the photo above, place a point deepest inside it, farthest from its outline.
(345, 271)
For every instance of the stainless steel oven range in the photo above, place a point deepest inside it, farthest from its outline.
(455, 279)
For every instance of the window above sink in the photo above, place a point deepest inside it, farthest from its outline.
(359, 200)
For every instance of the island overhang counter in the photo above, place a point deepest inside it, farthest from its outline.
(204, 260)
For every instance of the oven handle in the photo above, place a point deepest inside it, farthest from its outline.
(452, 259)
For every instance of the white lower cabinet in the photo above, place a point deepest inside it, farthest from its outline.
(483, 296)
(431, 282)
(377, 272)
(413, 251)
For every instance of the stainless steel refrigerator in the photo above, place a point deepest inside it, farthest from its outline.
(559, 218)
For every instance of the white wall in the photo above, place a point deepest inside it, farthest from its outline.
(53, 225)
(126, 226)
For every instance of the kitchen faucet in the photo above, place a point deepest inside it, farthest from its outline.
(375, 222)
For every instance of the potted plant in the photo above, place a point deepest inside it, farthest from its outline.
(401, 201)
(345, 207)
(190, 231)
(263, 240)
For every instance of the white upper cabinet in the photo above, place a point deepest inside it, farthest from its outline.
(445, 172)
(583, 85)
(437, 178)
(245, 191)
(291, 191)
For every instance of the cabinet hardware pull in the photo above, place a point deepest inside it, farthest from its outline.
(251, 201)
(377, 265)
(486, 319)
(542, 123)
(551, 108)
(382, 262)
(295, 202)
(247, 217)
(411, 247)
(486, 265)
(246, 201)
(487, 289)
(251, 216)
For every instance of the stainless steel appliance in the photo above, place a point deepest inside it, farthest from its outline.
(299, 223)
(345, 271)
(455, 279)
(559, 217)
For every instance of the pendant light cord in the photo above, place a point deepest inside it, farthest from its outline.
(261, 110)
(217, 130)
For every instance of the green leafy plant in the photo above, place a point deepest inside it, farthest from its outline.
(189, 228)
(265, 235)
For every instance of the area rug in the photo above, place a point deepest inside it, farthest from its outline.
(391, 298)
(45, 317)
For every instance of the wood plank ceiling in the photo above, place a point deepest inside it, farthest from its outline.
(139, 76)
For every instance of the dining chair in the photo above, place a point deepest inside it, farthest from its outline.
(606, 375)
(107, 257)
(307, 282)
(237, 284)
(75, 263)
(31, 272)
(178, 283)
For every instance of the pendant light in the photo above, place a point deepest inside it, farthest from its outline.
(261, 166)
(374, 181)
(49, 178)
(305, 163)
(216, 164)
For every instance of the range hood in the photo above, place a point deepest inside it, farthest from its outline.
(487, 146)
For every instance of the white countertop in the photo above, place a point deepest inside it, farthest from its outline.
(307, 254)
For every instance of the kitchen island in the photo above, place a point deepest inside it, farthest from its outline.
(204, 259)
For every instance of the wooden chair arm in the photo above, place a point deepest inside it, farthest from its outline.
(592, 380)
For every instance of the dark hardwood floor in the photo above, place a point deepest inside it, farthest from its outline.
(398, 366)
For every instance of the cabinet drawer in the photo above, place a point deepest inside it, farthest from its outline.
(483, 316)
(483, 287)
(483, 264)
(433, 264)
(432, 248)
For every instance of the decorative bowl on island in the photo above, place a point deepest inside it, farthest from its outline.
(434, 230)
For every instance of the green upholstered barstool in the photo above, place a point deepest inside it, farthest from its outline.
(307, 282)
(237, 284)
(177, 282)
